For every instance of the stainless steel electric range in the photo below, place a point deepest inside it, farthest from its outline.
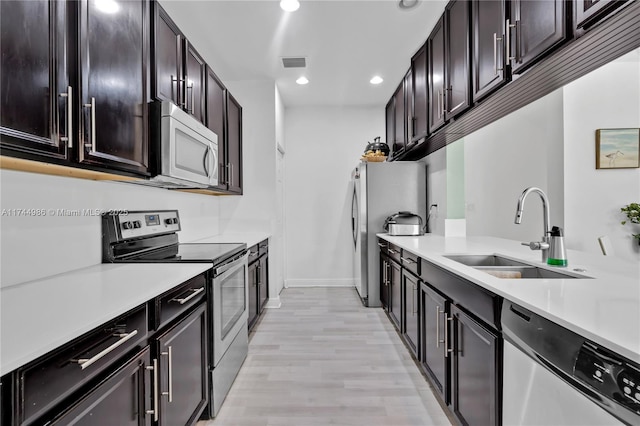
(151, 237)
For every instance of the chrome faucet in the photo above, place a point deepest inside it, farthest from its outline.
(536, 245)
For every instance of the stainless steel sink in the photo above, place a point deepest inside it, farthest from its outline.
(504, 267)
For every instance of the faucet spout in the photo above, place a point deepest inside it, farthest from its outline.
(546, 232)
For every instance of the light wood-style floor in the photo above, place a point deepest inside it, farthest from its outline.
(324, 359)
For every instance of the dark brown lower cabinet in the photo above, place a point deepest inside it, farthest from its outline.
(410, 286)
(434, 355)
(384, 281)
(475, 374)
(258, 281)
(263, 282)
(395, 294)
(253, 291)
(117, 400)
(182, 370)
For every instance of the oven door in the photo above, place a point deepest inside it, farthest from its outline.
(230, 304)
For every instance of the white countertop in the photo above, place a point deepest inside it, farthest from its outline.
(249, 238)
(604, 309)
(39, 316)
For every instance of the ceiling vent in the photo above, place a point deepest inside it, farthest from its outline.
(294, 62)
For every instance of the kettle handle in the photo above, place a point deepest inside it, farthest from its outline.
(376, 139)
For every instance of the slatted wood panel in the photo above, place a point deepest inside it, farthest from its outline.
(618, 35)
(324, 359)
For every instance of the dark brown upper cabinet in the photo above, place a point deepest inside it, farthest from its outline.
(534, 28)
(195, 71)
(112, 89)
(436, 67)
(399, 132)
(167, 53)
(588, 12)
(74, 84)
(233, 148)
(420, 94)
(35, 87)
(215, 101)
(489, 70)
(389, 119)
(457, 58)
(408, 108)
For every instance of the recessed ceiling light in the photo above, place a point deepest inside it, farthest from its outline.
(407, 4)
(289, 5)
(376, 80)
(302, 80)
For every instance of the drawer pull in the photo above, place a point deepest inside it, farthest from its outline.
(196, 291)
(264, 245)
(253, 253)
(169, 355)
(392, 251)
(382, 245)
(84, 362)
(409, 261)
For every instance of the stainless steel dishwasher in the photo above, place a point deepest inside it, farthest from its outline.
(553, 376)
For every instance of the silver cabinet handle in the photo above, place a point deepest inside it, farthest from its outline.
(193, 103)
(231, 174)
(409, 261)
(392, 251)
(382, 245)
(92, 124)
(508, 39)
(446, 335)
(263, 245)
(384, 273)
(413, 299)
(69, 121)
(177, 81)
(169, 355)
(388, 266)
(84, 362)
(253, 253)
(496, 39)
(437, 326)
(155, 410)
(196, 291)
(228, 174)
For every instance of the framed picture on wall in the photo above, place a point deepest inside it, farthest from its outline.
(617, 148)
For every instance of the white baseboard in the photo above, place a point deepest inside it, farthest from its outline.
(332, 282)
(273, 303)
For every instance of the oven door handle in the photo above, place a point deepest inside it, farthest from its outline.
(238, 260)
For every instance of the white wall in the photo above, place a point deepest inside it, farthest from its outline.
(324, 144)
(33, 247)
(503, 159)
(278, 238)
(255, 210)
(606, 98)
(436, 164)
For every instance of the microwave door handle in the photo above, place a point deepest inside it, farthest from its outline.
(205, 162)
(214, 163)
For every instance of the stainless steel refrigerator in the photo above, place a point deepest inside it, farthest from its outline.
(380, 190)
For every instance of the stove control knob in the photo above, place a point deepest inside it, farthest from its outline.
(127, 225)
(137, 224)
(175, 220)
(168, 221)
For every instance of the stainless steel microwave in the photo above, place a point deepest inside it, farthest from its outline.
(186, 151)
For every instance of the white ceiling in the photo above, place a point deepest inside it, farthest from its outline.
(345, 43)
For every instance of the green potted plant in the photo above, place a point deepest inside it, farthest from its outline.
(632, 211)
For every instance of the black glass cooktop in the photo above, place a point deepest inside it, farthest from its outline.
(190, 252)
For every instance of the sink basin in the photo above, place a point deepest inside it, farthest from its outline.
(485, 260)
(504, 267)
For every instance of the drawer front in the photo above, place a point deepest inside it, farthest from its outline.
(49, 380)
(383, 245)
(254, 253)
(395, 252)
(474, 299)
(410, 262)
(180, 299)
(263, 248)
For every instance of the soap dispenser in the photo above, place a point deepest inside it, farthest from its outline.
(557, 253)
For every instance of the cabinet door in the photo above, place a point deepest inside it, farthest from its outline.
(195, 76)
(538, 25)
(420, 94)
(435, 356)
(457, 53)
(121, 399)
(263, 283)
(411, 310)
(389, 120)
(588, 12)
(408, 107)
(113, 90)
(475, 376)
(253, 293)
(167, 58)
(436, 66)
(384, 281)
(399, 127)
(215, 106)
(234, 145)
(34, 106)
(182, 365)
(489, 65)
(395, 294)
